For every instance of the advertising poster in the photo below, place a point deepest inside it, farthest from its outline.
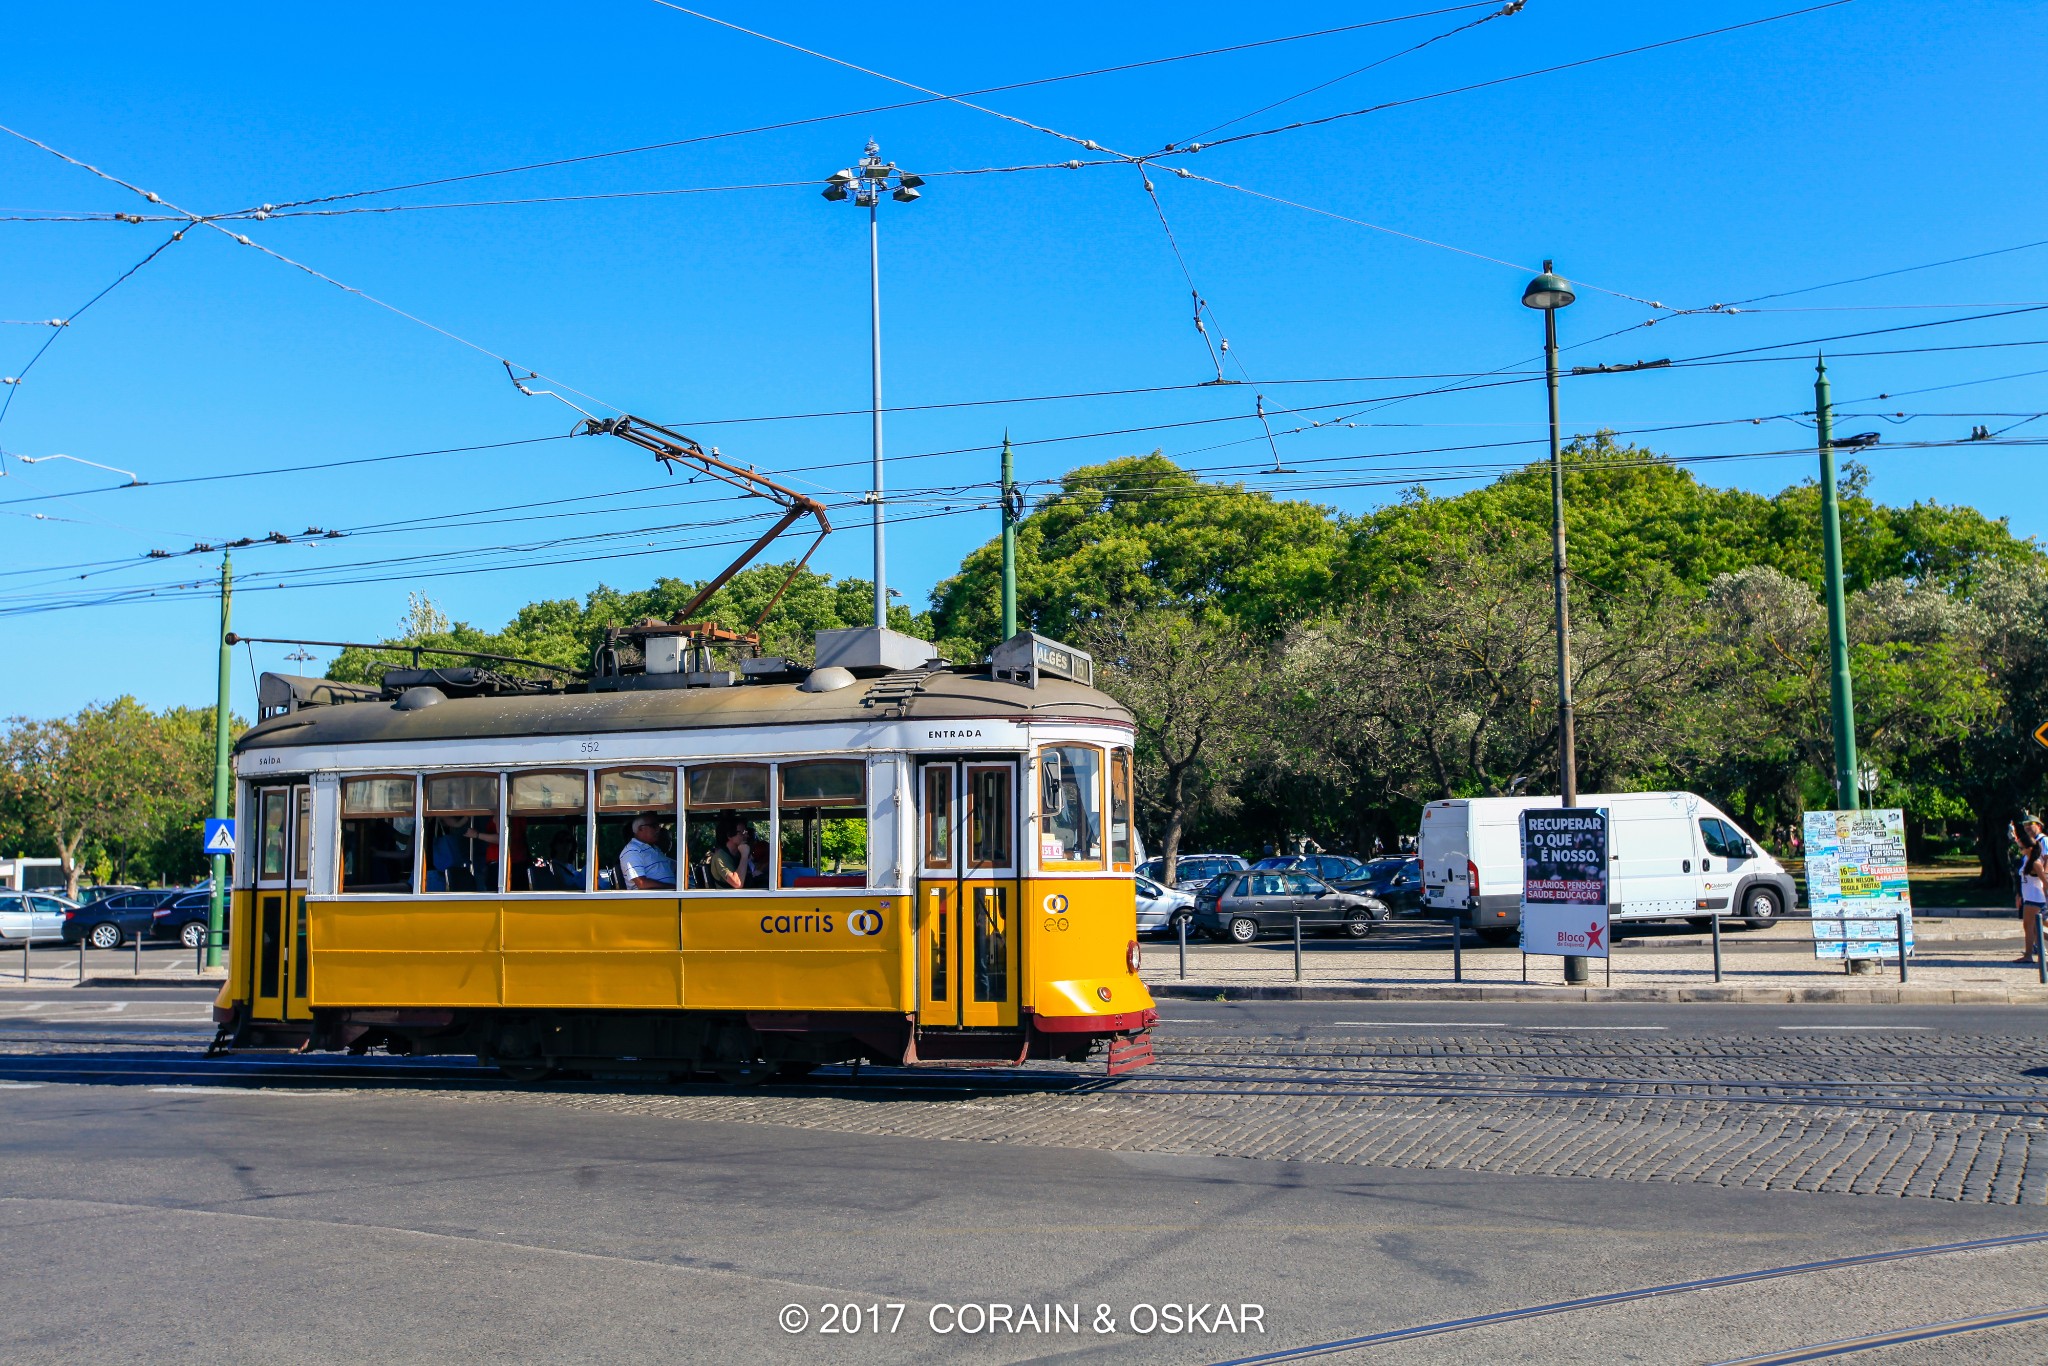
(1856, 866)
(1564, 881)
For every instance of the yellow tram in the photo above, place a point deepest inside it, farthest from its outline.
(876, 857)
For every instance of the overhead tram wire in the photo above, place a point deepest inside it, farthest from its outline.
(201, 220)
(205, 588)
(1502, 80)
(1512, 7)
(58, 329)
(889, 108)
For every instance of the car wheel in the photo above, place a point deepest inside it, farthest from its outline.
(193, 934)
(1359, 925)
(1759, 907)
(1243, 930)
(106, 935)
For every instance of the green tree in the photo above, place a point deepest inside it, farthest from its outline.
(1142, 532)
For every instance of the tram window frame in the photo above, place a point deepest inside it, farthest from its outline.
(491, 858)
(343, 819)
(702, 823)
(813, 807)
(518, 819)
(1121, 804)
(937, 813)
(606, 865)
(996, 855)
(1095, 862)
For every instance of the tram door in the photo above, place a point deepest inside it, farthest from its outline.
(969, 968)
(284, 857)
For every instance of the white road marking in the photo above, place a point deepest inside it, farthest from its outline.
(1851, 1029)
(19, 1085)
(1421, 1024)
(1597, 1029)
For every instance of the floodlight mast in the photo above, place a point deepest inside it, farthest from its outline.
(674, 448)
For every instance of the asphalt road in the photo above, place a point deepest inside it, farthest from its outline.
(157, 1206)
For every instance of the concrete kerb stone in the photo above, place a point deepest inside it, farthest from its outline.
(1747, 995)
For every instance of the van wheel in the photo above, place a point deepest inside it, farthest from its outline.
(1243, 930)
(1759, 907)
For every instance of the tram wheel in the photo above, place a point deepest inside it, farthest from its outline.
(744, 1073)
(794, 1071)
(526, 1072)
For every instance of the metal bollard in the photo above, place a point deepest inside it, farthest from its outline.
(2041, 963)
(81, 962)
(1457, 949)
(199, 956)
(1297, 948)
(27, 938)
(138, 953)
(1717, 946)
(1181, 923)
(1899, 939)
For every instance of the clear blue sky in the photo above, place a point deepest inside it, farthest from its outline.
(1864, 138)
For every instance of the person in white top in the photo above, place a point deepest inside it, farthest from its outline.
(643, 865)
(2033, 848)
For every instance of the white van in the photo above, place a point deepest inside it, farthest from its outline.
(1674, 855)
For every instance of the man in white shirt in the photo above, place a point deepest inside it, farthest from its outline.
(643, 865)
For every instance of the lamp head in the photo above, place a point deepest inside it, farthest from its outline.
(835, 191)
(1547, 291)
(905, 194)
(841, 177)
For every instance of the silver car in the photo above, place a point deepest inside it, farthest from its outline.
(32, 915)
(1158, 907)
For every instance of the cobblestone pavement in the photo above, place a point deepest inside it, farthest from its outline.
(1948, 1118)
(1874, 1112)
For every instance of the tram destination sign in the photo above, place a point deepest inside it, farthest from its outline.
(1564, 881)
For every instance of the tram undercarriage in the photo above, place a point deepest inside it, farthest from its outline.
(733, 1045)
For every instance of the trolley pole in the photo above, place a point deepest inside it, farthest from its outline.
(1011, 507)
(216, 905)
(1844, 699)
(875, 347)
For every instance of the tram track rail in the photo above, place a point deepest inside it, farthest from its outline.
(1813, 1352)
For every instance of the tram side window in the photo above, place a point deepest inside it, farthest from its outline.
(636, 829)
(727, 808)
(462, 832)
(546, 842)
(824, 818)
(378, 826)
(1070, 804)
(1120, 807)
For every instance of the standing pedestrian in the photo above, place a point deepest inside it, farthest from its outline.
(2032, 848)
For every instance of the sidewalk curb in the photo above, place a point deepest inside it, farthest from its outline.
(211, 983)
(1908, 995)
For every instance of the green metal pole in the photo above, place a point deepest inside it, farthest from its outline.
(216, 906)
(1844, 709)
(1009, 542)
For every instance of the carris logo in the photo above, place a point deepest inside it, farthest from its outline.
(1056, 904)
(864, 923)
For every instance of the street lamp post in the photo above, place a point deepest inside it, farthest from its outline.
(1549, 293)
(864, 186)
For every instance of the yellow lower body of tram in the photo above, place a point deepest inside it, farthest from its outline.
(962, 971)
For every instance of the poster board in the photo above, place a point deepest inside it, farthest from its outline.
(1856, 866)
(1564, 881)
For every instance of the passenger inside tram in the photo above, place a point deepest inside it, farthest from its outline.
(626, 798)
(644, 865)
(725, 810)
(546, 835)
(740, 857)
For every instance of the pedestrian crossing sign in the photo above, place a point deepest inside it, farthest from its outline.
(220, 836)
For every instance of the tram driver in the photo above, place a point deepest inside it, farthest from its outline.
(642, 863)
(739, 859)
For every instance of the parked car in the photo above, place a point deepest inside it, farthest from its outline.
(1672, 855)
(1252, 903)
(112, 922)
(1396, 881)
(184, 918)
(1159, 907)
(32, 916)
(1331, 868)
(1192, 870)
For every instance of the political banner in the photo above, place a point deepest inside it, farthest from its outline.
(1856, 883)
(1564, 881)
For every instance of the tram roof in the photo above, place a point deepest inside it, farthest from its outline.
(942, 696)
